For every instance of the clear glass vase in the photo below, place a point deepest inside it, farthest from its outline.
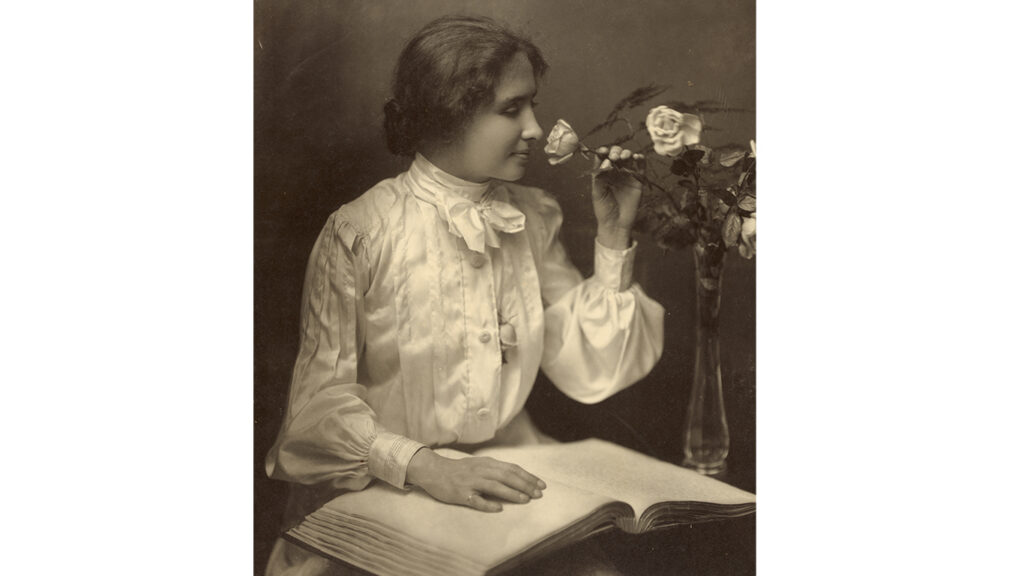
(707, 432)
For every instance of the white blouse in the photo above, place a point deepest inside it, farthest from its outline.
(429, 305)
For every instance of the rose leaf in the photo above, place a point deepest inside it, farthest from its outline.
(748, 203)
(731, 229)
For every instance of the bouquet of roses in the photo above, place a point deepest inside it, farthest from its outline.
(700, 195)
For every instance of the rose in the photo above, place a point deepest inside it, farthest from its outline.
(562, 143)
(670, 130)
(748, 237)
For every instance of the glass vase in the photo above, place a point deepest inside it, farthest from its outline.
(707, 432)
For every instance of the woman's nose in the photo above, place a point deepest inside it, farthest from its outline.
(532, 130)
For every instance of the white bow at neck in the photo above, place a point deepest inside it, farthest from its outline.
(474, 211)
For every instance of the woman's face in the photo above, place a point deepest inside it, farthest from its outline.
(497, 140)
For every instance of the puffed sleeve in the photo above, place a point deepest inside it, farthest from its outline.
(330, 435)
(601, 334)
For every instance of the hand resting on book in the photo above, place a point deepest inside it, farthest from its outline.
(592, 486)
(465, 481)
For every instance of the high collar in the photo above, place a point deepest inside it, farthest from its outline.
(426, 175)
(475, 211)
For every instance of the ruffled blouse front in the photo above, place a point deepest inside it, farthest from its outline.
(429, 305)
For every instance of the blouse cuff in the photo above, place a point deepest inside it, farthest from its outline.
(613, 269)
(389, 457)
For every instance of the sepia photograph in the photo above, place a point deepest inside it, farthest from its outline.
(504, 287)
(468, 287)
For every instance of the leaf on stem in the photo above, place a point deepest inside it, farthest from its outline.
(731, 228)
(749, 175)
(724, 194)
(731, 157)
(684, 164)
(706, 159)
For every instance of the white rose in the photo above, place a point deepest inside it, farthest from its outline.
(670, 130)
(562, 143)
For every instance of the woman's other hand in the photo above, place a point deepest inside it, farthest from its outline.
(616, 195)
(466, 481)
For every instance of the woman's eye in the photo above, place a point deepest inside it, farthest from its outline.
(515, 110)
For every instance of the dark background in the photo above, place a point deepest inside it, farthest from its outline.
(322, 72)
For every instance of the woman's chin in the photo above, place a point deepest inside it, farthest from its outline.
(515, 171)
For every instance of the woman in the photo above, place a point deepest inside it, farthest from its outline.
(432, 300)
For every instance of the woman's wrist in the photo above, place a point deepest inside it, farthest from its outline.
(614, 237)
(419, 466)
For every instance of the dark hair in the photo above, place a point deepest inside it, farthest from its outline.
(446, 72)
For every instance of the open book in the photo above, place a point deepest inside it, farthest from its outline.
(592, 486)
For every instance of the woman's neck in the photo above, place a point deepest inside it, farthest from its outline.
(427, 174)
(442, 158)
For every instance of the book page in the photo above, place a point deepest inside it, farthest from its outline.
(482, 537)
(620, 473)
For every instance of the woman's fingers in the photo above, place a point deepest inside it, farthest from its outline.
(501, 490)
(516, 478)
(527, 476)
(607, 158)
(474, 500)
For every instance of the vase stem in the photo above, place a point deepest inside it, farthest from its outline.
(707, 432)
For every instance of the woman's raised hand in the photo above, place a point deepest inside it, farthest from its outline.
(466, 481)
(616, 195)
